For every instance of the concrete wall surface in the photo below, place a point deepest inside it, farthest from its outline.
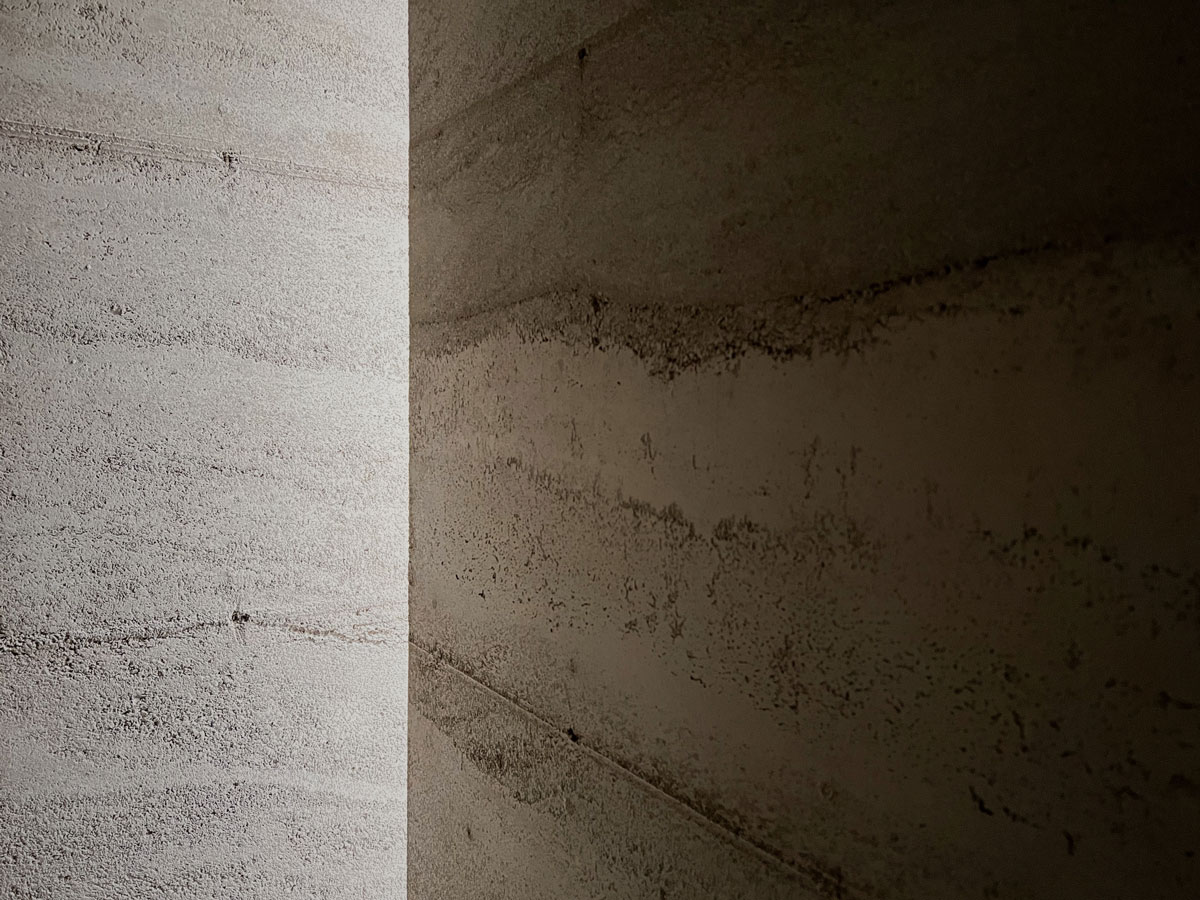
(203, 632)
(804, 437)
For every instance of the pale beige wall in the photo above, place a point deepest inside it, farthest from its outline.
(202, 449)
(805, 424)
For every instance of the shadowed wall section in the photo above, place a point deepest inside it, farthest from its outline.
(203, 339)
(805, 416)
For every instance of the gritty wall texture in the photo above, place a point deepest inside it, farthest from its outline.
(203, 332)
(804, 438)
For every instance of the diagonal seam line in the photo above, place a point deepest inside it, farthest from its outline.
(855, 293)
(211, 155)
(765, 853)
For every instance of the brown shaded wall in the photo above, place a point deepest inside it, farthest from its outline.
(804, 439)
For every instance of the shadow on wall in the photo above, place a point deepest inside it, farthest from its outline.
(804, 417)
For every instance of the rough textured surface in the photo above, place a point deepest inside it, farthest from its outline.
(203, 338)
(804, 420)
(698, 151)
(308, 82)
